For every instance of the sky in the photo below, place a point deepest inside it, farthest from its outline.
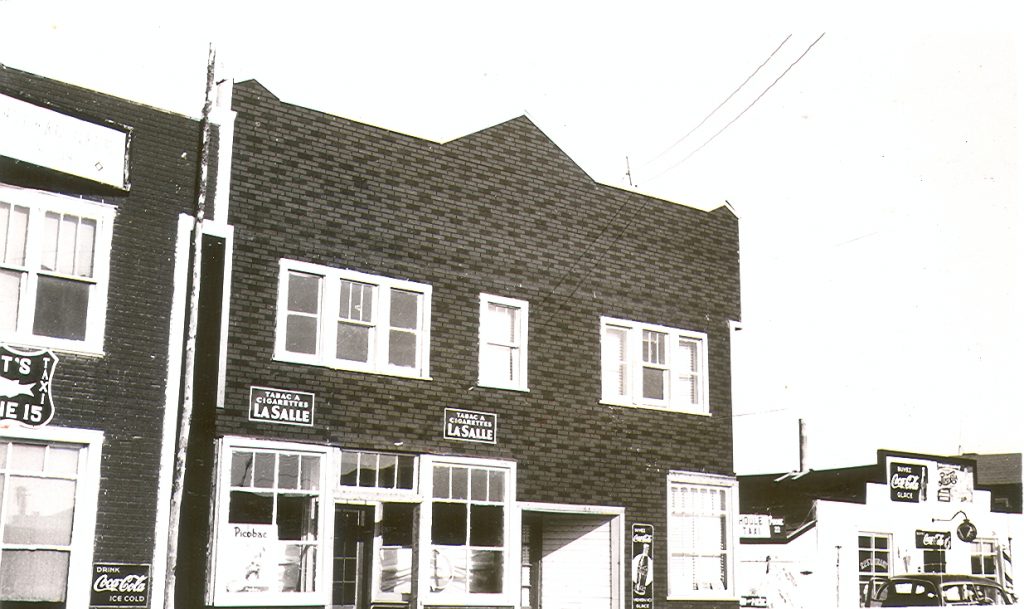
(873, 157)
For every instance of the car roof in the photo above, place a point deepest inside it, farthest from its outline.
(945, 578)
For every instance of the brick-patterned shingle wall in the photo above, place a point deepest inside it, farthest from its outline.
(122, 393)
(501, 211)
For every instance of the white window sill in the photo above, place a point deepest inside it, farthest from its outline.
(718, 595)
(520, 388)
(339, 365)
(63, 346)
(672, 409)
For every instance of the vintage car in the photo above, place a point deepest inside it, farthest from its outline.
(938, 590)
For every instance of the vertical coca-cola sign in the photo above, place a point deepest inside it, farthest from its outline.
(908, 482)
(643, 566)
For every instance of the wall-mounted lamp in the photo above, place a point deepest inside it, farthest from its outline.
(965, 531)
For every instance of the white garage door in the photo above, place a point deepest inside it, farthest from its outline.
(576, 564)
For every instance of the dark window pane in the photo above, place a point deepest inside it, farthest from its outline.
(402, 349)
(303, 293)
(478, 485)
(396, 524)
(251, 508)
(353, 342)
(485, 572)
(496, 491)
(403, 309)
(288, 476)
(460, 483)
(264, 473)
(296, 517)
(386, 473)
(349, 473)
(654, 383)
(863, 541)
(487, 526)
(241, 469)
(300, 335)
(61, 308)
(406, 472)
(449, 524)
(368, 469)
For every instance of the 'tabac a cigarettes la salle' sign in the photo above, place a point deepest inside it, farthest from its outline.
(470, 425)
(281, 406)
(25, 378)
(118, 585)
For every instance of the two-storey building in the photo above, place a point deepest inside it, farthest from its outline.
(96, 197)
(462, 374)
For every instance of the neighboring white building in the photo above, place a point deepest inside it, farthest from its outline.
(821, 538)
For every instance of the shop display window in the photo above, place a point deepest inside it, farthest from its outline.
(378, 470)
(874, 563)
(394, 563)
(269, 540)
(468, 534)
(54, 264)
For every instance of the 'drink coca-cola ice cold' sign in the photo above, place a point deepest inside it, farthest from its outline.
(119, 585)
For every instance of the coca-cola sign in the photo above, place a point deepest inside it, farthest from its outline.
(119, 585)
(932, 540)
(908, 482)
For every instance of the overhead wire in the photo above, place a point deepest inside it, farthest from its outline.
(719, 106)
(744, 111)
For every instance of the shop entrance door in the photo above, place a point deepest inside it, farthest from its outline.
(353, 543)
(570, 561)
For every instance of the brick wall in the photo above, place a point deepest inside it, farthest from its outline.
(122, 393)
(501, 211)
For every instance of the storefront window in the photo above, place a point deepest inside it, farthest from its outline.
(985, 558)
(701, 510)
(873, 563)
(269, 540)
(468, 529)
(394, 564)
(39, 488)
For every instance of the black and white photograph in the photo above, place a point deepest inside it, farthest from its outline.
(490, 305)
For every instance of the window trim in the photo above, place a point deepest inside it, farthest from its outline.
(322, 595)
(327, 328)
(95, 324)
(522, 327)
(634, 331)
(510, 571)
(731, 486)
(83, 520)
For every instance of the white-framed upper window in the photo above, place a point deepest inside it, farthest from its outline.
(701, 542)
(54, 270)
(467, 532)
(653, 366)
(270, 541)
(503, 342)
(352, 321)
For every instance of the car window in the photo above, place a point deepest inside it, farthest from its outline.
(908, 593)
(957, 594)
(991, 595)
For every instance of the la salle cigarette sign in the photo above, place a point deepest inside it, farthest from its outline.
(25, 378)
(283, 406)
(470, 425)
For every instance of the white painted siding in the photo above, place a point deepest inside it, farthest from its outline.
(576, 567)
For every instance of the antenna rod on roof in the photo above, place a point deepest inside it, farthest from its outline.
(629, 175)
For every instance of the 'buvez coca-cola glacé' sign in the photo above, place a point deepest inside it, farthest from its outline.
(908, 482)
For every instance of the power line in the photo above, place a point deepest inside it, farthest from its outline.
(757, 99)
(719, 106)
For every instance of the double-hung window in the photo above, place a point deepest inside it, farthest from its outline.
(701, 510)
(874, 563)
(354, 321)
(503, 341)
(653, 366)
(54, 266)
